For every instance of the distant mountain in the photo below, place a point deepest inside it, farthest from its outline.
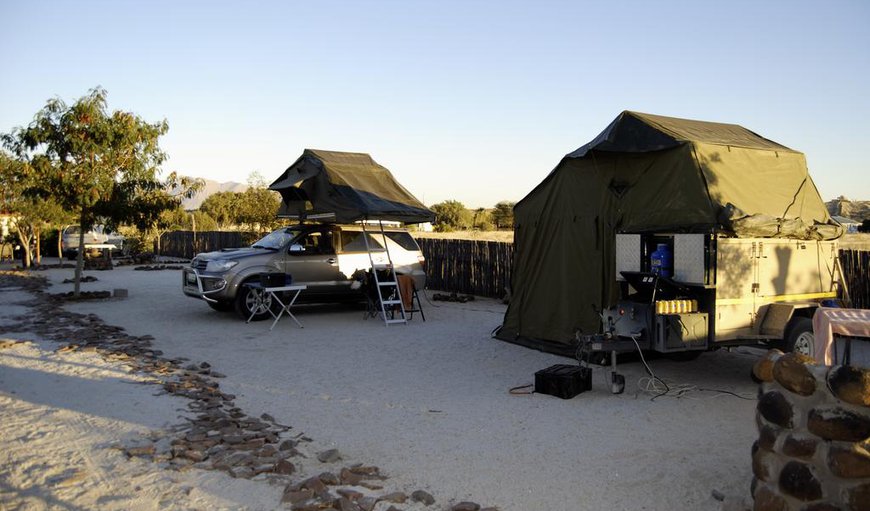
(210, 188)
(855, 210)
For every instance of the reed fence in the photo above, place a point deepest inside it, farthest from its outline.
(187, 244)
(856, 274)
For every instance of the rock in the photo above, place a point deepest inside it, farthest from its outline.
(859, 497)
(850, 384)
(350, 494)
(767, 435)
(774, 407)
(798, 480)
(422, 496)
(242, 472)
(329, 478)
(849, 463)
(763, 369)
(799, 446)
(284, 467)
(367, 503)
(395, 497)
(345, 504)
(329, 456)
(466, 506)
(348, 477)
(767, 500)
(296, 496)
(314, 484)
(143, 450)
(364, 470)
(286, 445)
(822, 506)
(833, 423)
(762, 463)
(793, 371)
(267, 417)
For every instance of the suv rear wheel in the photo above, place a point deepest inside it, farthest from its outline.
(251, 303)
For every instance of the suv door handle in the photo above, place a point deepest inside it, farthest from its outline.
(331, 260)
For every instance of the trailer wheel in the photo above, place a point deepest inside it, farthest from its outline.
(800, 338)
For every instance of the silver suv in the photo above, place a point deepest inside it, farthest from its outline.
(328, 258)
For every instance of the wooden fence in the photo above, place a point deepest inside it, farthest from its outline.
(480, 268)
(856, 273)
(185, 244)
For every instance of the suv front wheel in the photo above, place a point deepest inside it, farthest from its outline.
(251, 301)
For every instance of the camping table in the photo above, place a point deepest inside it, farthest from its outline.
(831, 322)
(275, 293)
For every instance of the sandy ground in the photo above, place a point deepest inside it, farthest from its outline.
(428, 403)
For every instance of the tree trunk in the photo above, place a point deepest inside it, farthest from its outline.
(36, 234)
(80, 259)
(59, 247)
(25, 244)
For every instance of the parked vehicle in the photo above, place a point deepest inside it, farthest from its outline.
(97, 235)
(687, 293)
(328, 258)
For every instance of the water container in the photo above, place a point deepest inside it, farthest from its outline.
(662, 260)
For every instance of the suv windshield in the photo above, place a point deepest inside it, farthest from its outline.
(277, 239)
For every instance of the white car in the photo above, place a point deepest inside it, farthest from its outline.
(69, 240)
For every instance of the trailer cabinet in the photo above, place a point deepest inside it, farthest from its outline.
(746, 289)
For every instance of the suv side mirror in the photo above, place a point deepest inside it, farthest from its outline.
(296, 248)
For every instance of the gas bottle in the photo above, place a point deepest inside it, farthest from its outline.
(662, 260)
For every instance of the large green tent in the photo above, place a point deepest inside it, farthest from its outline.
(645, 173)
(345, 187)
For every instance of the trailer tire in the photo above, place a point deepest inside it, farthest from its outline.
(800, 338)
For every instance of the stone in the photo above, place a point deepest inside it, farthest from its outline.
(350, 494)
(422, 496)
(763, 369)
(762, 462)
(329, 456)
(822, 506)
(792, 371)
(294, 497)
(314, 484)
(364, 470)
(242, 472)
(774, 407)
(348, 477)
(858, 497)
(142, 450)
(767, 437)
(833, 423)
(195, 456)
(345, 504)
(799, 446)
(767, 500)
(465, 506)
(367, 503)
(284, 467)
(370, 485)
(286, 445)
(849, 463)
(267, 417)
(329, 478)
(396, 497)
(850, 384)
(797, 480)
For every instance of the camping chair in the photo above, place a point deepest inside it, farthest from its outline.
(408, 290)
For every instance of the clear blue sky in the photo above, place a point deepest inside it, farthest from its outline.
(468, 100)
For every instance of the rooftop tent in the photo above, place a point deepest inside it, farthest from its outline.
(345, 187)
(645, 173)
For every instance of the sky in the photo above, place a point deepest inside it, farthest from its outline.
(474, 101)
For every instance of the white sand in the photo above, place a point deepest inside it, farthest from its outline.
(427, 402)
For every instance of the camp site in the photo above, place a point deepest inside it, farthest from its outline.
(462, 256)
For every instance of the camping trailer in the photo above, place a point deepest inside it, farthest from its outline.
(749, 247)
(716, 291)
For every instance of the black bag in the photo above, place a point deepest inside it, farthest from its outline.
(275, 279)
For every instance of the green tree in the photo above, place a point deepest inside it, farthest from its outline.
(32, 215)
(503, 215)
(222, 207)
(450, 215)
(90, 161)
(258, 209)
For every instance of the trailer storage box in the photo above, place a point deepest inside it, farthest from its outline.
(680, 332)
(563, 380)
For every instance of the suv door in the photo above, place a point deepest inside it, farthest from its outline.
(310, 258)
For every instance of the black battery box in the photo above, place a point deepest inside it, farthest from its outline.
(563, 380)
(275, 279)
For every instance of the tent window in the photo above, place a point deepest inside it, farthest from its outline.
(618, 188)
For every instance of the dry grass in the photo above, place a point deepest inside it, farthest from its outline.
(504, 236)
(856, 241)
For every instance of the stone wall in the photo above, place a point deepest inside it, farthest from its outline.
(813, 436)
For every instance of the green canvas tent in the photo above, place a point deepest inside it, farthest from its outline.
(645, 173)
(345, 187)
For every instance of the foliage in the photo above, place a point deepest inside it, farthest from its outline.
(221, 207)
(94, 163)
(32, 214)
(254, 209)
(503, 215)
(451, 215)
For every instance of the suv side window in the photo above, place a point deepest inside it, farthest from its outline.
(353, 241)
(316, 242)
(404, 240)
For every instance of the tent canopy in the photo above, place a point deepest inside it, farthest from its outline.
(348, 186)
(645, 173)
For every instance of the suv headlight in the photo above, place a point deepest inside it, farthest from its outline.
(219, 265)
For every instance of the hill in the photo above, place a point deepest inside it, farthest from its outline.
(856, 210)
(210, 188)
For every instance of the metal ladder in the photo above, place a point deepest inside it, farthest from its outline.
(389, 285)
